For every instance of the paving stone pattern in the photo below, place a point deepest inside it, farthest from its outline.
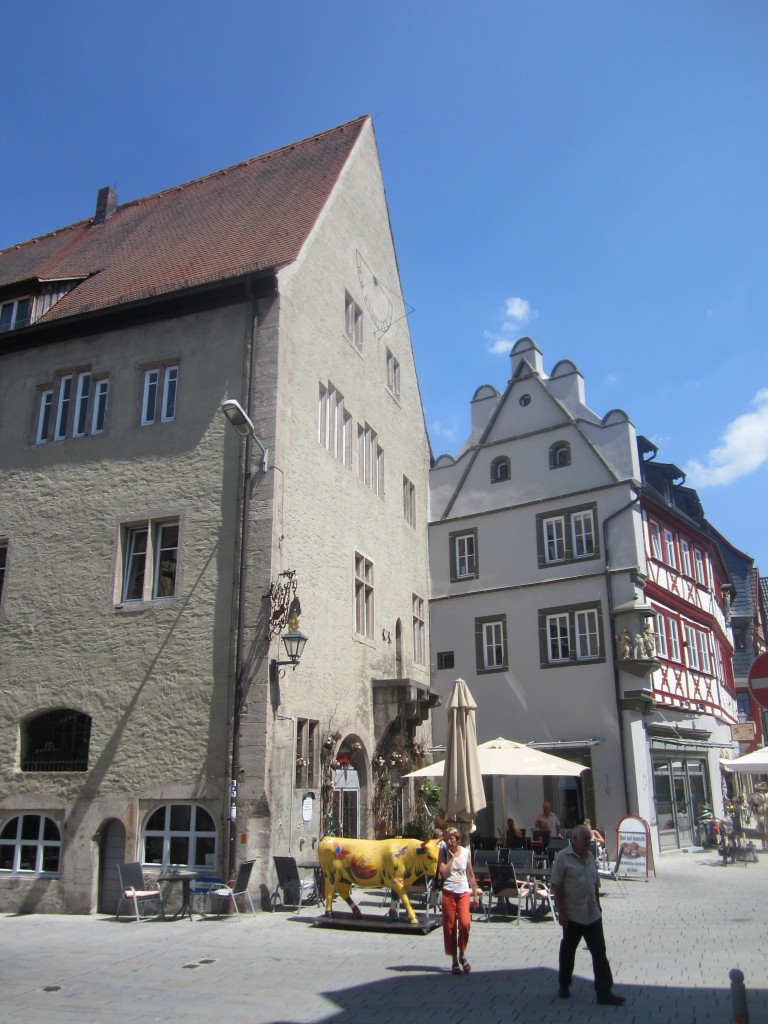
(672, 942)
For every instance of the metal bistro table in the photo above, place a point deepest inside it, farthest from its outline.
(186, 878)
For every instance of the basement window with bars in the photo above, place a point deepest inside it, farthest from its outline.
(56, 741)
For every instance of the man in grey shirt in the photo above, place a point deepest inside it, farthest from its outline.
(576, 888)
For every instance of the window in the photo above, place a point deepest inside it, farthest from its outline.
(559, 455)
(158, 402)
(673, 638)
(334, 425)
(56, 741)
(409, 502)
(669, 549)
(3, 567)
(697, 649)
(370, 459)
(149, 560)
(76, 407)
(30, 844)
(660, 635)
(463, 555)
(393, 375)
(742, 703)
(307, 752)
(491, 644)
(702, 644)
(363, 596)
(655, 541)
(685, 556)
(566, 537)
(419, 645)
(500, 469)
(570, 635)
(698, 561)
(14, 314)
(180, 835)
(445, 659)
(353, 322)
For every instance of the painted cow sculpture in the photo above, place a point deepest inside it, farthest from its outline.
(392, 863)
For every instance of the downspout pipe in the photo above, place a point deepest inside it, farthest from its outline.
(617, 686)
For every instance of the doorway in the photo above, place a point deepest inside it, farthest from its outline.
(681, 789)
(111, 844)
(346, 803)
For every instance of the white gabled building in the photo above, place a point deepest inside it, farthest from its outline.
(538, 572)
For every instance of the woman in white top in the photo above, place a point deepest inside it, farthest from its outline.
(455, 867)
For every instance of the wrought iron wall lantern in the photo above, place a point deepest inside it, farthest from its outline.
(295, 642)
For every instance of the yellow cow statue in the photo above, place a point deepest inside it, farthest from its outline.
(393, 863)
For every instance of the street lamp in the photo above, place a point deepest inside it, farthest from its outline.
(295, 642)
(243, 424)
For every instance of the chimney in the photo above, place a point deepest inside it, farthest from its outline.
(106, 204)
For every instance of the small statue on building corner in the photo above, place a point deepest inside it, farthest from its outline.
(624, 645)
(647, 641)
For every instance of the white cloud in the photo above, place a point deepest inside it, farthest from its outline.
(517, 315)
(445, 430)
(744, 449)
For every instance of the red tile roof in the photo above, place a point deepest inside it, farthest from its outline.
(250, 217)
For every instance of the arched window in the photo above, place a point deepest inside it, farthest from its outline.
(30, 844)
(559, 455)
(56, 741)
(500, 469)
(182, 835)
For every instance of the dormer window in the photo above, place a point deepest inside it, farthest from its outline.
(14, 314)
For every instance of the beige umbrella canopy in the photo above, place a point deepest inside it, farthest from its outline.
(755, 763)
(506, 757)
(463, 793)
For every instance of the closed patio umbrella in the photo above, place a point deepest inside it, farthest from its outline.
(463, 793)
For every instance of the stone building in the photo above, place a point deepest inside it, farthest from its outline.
(152, 558)
(540, 570)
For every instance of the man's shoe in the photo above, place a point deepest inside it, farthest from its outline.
(611, 999)
(564, 992)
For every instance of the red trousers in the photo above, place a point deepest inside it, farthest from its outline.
(456, 921)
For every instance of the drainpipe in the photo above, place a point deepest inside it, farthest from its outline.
(617, 685)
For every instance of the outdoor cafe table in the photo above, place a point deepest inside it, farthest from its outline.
(186, 878)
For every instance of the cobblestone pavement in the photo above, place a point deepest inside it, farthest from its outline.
(672, 942)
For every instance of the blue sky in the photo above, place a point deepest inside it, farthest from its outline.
(592, 174)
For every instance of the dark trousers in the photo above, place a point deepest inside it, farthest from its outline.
(595, 940)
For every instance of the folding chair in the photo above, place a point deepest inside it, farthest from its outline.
(612, 873)
(294, 887)
(134, 889)
(231, 892)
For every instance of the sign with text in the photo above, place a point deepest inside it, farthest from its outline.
(633, 843)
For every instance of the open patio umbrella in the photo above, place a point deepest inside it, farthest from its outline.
(755, 763)
(463, 793)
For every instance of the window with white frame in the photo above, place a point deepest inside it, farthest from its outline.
(149, 560)
(409, 502)
(334, 424)
(363, 596)
(491, 643)
(419, 634)
(660, 635)
(655, 541)
(571, 635)
(501, 469)
(463, 555)
(702, 644)
(569, 536)
(75, 406)
(14, 314)
(353, 322)
(370, 459)
(158, 400)
(698, 562)
(393, 375)
(179, 835)
(691, 647)
(670, 556)
(673, 638)
(307, 753)
(30, 844)
(685, 556)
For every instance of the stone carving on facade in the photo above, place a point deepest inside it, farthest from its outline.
(624, 645)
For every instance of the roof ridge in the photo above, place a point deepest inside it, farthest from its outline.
(193, 181)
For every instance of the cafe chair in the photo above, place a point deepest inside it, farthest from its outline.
(504, 887)
(231, 892)
(556, 844)
(612, 873)
(136, 890)
(296, 890)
